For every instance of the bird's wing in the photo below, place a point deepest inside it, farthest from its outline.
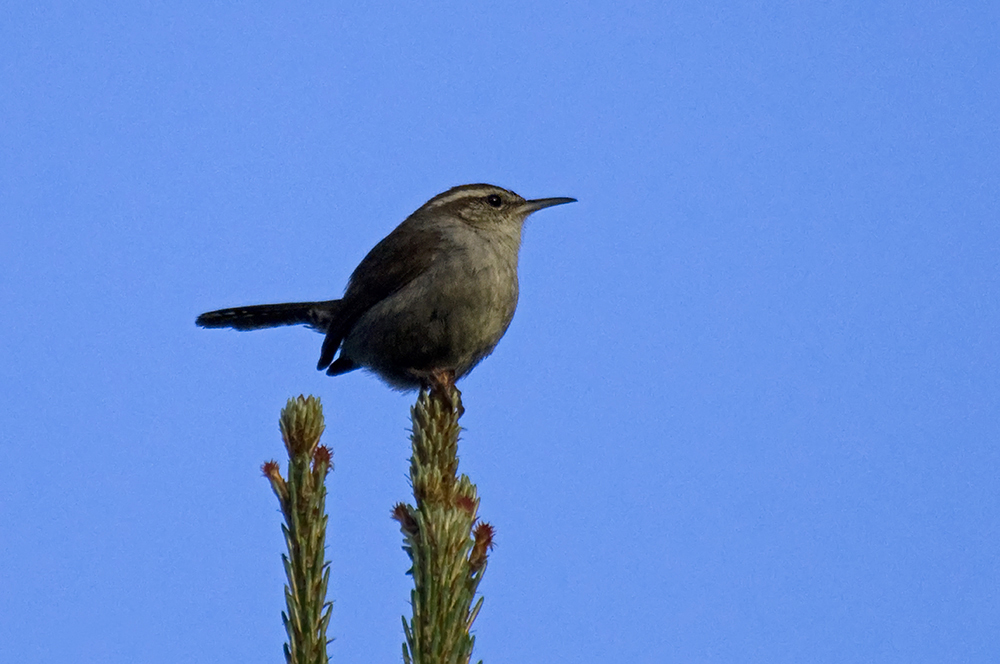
(402, 256)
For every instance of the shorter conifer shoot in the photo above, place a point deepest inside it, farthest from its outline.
(302, 498)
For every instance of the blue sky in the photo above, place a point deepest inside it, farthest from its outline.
(747, 410)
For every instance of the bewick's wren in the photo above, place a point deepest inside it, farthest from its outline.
(429, 302)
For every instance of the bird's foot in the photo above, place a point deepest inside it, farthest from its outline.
(441, 384)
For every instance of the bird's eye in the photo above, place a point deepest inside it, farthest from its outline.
(494, 200)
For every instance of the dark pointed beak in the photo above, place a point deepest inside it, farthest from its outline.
(542, 203)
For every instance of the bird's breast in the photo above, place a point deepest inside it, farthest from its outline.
(451, 316)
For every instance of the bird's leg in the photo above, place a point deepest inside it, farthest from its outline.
(441, 384)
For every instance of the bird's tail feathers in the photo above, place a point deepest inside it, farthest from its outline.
(317, 315)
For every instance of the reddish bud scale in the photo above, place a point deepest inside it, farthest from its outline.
(322, 455)
(466, 504)
(407, 524)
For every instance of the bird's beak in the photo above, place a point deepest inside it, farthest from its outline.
(542, 203)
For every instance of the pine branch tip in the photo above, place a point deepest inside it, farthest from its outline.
(302, 423)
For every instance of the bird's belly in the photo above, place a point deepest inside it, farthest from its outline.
(448, 318)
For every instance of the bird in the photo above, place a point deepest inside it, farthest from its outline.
(428, 303)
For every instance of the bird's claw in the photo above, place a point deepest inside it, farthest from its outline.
(441, 384)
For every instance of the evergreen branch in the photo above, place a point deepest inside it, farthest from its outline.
(302, 499)
(447, 549)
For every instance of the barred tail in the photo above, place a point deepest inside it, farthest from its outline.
(317, 315)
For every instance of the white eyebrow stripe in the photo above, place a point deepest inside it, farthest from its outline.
(459, 194)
